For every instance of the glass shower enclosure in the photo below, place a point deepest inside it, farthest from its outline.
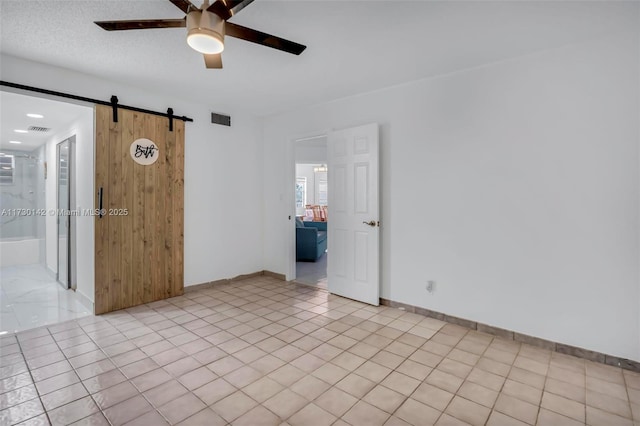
(22, 195)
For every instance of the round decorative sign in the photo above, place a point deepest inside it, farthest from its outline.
(144, 151)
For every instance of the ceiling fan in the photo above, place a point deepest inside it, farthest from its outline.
(206, 28)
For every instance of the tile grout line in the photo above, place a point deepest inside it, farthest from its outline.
(440, 362)
(76, 373)
(544, 386)
(34, 381)
(626, 388)
(511, 365)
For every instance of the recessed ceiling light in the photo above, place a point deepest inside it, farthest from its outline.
(15, 142)
(35, 115)
(20, 131)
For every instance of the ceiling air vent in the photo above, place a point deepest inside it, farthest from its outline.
(38, 129)
(221, 119)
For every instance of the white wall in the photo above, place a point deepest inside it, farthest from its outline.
(223, 225)
(310, 152)
(514, 186)
(82, 128)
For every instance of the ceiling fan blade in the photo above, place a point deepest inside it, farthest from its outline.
(264, 39)
(227, 8)
(143, 24)
(213, 61)
(183, 5)
(237, 5)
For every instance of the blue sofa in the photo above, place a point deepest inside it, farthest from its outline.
(311, 240)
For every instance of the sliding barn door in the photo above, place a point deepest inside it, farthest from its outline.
(139, 238)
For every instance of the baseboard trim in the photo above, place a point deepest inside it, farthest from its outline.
(247, 276)
(197, 287)
(281, 277)
(53, 274)
(86, 302)
(562, 348)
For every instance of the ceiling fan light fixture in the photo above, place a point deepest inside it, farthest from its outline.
(205, 32)
(203, 41)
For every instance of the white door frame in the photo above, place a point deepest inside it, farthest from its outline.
(290, 198)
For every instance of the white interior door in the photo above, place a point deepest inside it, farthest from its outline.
(353, 221)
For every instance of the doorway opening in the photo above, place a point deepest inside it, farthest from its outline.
(312, 211)
(353, 213)
(39, 205)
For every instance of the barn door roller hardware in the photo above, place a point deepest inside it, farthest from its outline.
(114, 106)
(170, 115)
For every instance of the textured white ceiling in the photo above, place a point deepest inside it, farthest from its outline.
(353, 46)
(13, 115)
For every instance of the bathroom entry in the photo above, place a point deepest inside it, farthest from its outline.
(65, 163)
(46, 162)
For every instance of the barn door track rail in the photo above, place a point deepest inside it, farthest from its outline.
(113, 103)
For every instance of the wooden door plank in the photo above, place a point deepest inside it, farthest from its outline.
(161, 235)
(137, 296)
(101, 291)
(178, 213)
(126, 203)
(150, 276)
(115, 234)
(170, 237)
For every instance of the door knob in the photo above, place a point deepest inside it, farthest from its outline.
(371, 223)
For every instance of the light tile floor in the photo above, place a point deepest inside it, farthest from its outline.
(265, 352)
(313, 273)
(30, 297)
